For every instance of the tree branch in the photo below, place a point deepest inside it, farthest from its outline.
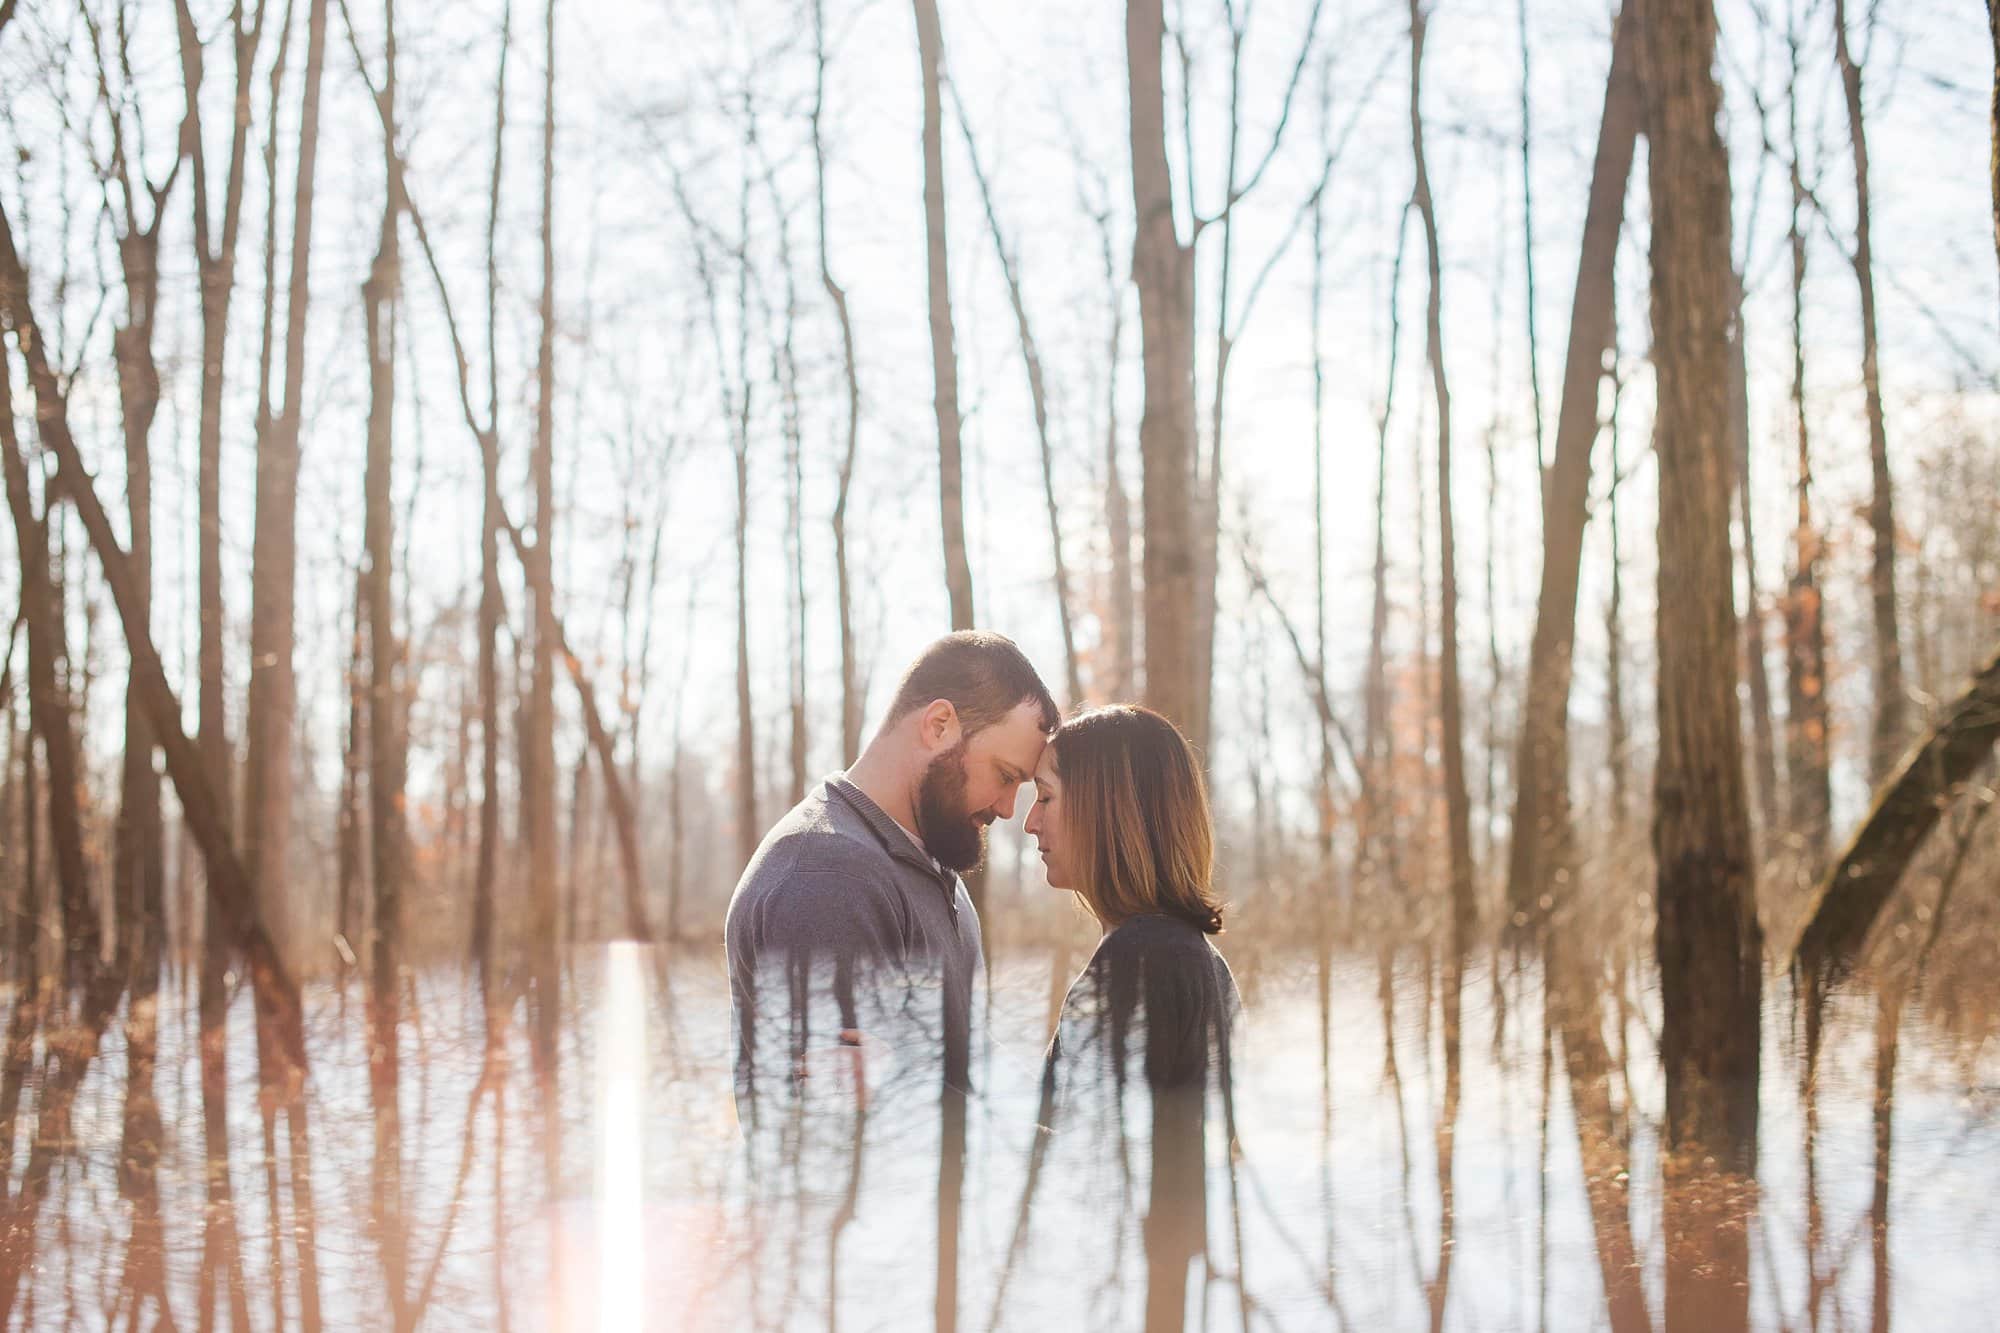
(1908, 805)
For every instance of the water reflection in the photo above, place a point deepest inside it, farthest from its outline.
(1355, 1189)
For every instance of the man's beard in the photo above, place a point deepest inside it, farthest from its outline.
(955, 837)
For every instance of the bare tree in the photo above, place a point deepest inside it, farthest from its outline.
(491, 608)
(746, 735)
(1542, 842)
(267, 789)
(1163, 272)
(785, 375)
(281, 1033)
(1458, 817)
(381, 296)
(944, 353)
(850, 684)
(538, 777)
(1374, 849)
(1528, 248)
(1891, 708)
(1123, 628)
(1763, 744)
(138, 867)
(72, 1045)
(1617, 724)
(1709, 945)
(1031, 359)
(1806, 738)
(1237, 186)
(1324, 795)
(215, 258)
(1993, 118)
(737, 391)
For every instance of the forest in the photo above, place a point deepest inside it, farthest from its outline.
(471, 468)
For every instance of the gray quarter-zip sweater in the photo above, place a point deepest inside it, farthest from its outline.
(842, 921)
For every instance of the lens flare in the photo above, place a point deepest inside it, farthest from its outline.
(621, 1076)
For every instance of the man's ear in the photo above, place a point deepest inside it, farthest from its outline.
(938, 725)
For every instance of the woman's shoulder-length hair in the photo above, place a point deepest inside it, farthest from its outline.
(1136, 806)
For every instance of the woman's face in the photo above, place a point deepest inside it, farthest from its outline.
(1046, 824)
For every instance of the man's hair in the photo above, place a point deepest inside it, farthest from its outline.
(983, 675)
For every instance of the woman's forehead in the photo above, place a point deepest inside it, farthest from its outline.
(1045, 767)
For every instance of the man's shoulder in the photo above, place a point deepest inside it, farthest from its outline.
(820, 848)
(820, 836)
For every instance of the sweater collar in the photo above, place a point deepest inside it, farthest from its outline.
(895, 839)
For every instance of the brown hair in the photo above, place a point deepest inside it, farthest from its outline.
(983, 675)
(1135, 805)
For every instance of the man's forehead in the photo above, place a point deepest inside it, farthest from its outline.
(1017, 739)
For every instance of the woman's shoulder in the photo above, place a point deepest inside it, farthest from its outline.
(1158, 946)
(1154, 932)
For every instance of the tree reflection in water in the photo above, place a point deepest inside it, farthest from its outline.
(1084, 1195)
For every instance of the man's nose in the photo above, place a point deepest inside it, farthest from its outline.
(1005, 806)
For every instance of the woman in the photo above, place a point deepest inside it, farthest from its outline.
(1122, 821)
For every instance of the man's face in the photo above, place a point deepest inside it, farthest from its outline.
(975, 782)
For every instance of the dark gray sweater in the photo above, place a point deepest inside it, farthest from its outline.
(841, 922)
(1156, 1005)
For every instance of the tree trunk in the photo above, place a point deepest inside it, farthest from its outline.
(1617, 727)
(24, 1015)
(1375, 847)
(786, 372)
(944, 354)
(1710, 949)
(1993, 119)
(1577, 1014)
(1163, 272)
(1806, 759)
(270, 716)
(538, 778)
(216, 265)
(1891, 709)
(350, 827)
(1528, 252)
(1763, 744)
(1031, 359)
(1542, 840)
(1323, 794)
(138, 865)
(138, 881)
(600, 739)
(48, 704)
(1458, 814)
(381, 295)
(1888, 1024)
(748, 831)
(490, 598)
(850, 675)
(1123, 627)
(272, 704)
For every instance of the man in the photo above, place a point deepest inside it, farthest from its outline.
(851, 923)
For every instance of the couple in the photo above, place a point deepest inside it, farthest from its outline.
(852, 929)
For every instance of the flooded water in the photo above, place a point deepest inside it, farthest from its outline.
(666, 1214)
